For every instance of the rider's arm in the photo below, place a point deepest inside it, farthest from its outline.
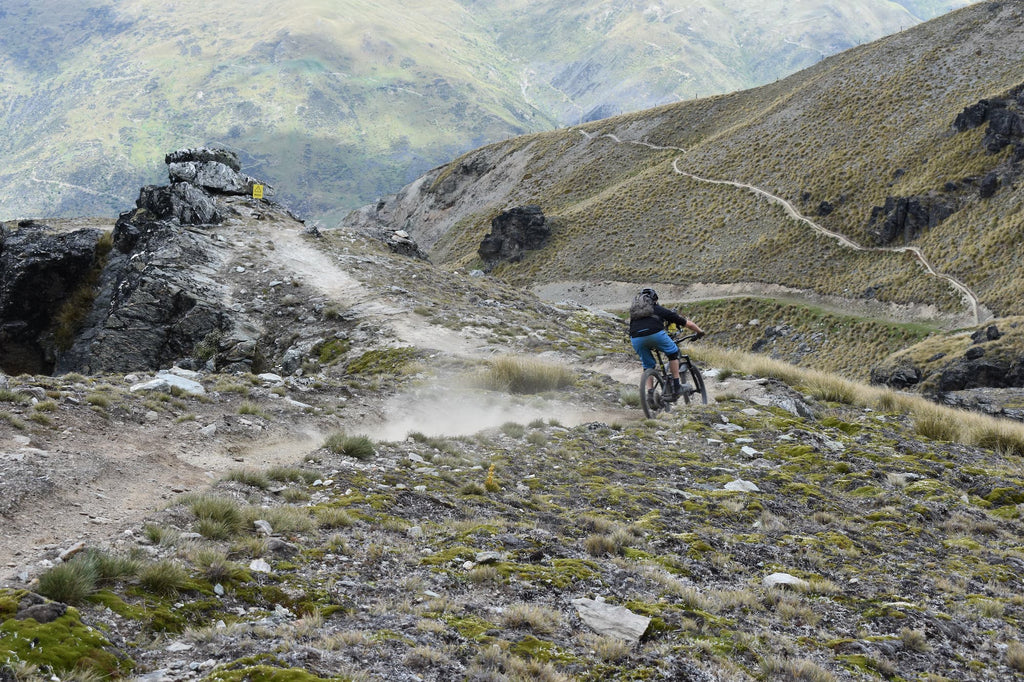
(690, 324)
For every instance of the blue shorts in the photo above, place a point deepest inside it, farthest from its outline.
(660, 340)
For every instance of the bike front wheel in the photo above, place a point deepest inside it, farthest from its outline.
(653, 400)
(699, 390)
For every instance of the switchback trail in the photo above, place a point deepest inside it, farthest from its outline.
(793, 213)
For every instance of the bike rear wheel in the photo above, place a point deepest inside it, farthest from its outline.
(698, 384)
(652, 400)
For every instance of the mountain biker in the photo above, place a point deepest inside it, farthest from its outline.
(647, 322)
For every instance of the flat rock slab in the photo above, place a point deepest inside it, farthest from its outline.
(612, 621)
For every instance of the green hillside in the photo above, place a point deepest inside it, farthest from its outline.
(871, 123)
(337, 103)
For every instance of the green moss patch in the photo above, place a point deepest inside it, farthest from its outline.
(63, 646)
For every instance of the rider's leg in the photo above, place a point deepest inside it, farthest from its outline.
(673, 366)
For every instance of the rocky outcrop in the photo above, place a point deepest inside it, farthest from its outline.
(214, 170)
(156, 297)
(513, 233)
(161, 299)
(973, 375)
(40, 270)
(196, 176)
(907, 217)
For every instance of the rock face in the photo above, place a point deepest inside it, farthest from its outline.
(39, 272)
(908, 217)
(513, 233)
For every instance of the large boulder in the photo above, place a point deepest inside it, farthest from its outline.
(40, 270)
(183, 202)
(1004, 127)
(513, 233)
(907, 217)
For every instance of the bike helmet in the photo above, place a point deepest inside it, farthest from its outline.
(650, 292)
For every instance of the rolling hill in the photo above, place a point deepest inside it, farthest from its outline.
(337, 103)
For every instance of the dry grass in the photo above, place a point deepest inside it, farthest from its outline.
(930, 419)
(524, 375)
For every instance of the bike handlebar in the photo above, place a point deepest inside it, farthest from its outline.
(681, 338)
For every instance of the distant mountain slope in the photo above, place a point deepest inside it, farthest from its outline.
(337, 103)
(840, 140)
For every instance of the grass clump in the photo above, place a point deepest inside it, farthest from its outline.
(72, 582)
(358, 447)
(522, 375)
(253, 477)
(217, 518)
(538, 618)
(164, 578)
(250, 408)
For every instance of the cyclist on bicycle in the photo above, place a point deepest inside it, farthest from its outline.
(647, 322)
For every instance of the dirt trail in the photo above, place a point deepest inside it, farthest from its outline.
(978, 313)
(295, 253)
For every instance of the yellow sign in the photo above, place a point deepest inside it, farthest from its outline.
(257, 191)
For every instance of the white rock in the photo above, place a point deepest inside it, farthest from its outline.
(263, 527)
(184, 373)
(270, 378)
(260, 566)
(209, 430)
(783, 580)
(612, 621)
(179, 646)
(749, 451)
(165, 381)
(741, 486)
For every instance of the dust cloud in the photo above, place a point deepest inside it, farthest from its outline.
(438, 411)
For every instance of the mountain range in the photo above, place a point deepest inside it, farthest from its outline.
(337, 103)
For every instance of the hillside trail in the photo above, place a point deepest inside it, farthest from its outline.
(977, 312)
(444, 407)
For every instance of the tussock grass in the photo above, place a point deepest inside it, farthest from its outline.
(164, 578)
(69, 583)
(358, 447)
(1015, 656)
(291, 474)
(536, 617)
(523, 375)
(75, 580)
(930, 419)
(332, 517)
(215, 566)
(253, 477)
(282, 519)
(9, 396)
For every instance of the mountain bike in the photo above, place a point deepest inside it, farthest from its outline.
(656, 400)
